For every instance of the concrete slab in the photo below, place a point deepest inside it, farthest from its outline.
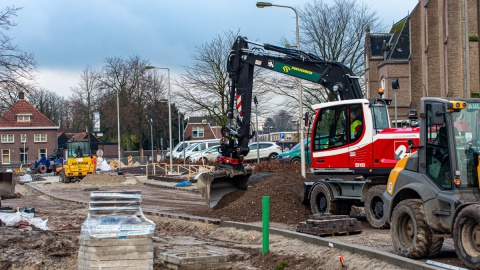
(195, 260)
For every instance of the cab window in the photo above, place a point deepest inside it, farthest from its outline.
(330, 130)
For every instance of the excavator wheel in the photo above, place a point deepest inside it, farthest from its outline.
(411, 235)
(374, 207)
(321, 201)
(466, 236)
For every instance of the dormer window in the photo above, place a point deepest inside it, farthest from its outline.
(23, 117)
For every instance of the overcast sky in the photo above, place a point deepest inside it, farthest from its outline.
(68, 35)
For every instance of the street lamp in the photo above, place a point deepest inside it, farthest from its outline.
(151, 135)
(256, 123)
(169, 115)
(118, 129)
(302, 145)
(118, 134)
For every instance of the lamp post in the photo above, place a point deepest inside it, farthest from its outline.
(118, 128)
(169, 115)
(302, 145)
(151, 135)
(256, 124)
(118, 134)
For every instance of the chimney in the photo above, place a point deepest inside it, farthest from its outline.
(21, 95)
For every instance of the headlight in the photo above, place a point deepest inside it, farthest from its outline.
(283, 157)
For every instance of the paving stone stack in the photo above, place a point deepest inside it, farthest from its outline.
(116, 234)
(327, 224)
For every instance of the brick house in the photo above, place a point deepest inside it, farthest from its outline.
(26, 134)
(201, 128)
(429, 51)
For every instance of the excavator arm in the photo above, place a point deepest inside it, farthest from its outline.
(338, 79)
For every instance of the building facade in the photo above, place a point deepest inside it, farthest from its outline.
(26, 134)
(433, 52)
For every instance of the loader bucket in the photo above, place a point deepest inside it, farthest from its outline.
(214, 185)
(7, 184)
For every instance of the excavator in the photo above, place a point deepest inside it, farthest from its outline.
(371, 150)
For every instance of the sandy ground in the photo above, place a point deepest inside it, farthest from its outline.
(58, 247)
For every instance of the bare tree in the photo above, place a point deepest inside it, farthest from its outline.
(85, 95)
(141, 95)
(16, 66)
(204, 85)
(334, 31)
(49, 104)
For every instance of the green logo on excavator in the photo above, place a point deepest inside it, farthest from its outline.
(296, 71)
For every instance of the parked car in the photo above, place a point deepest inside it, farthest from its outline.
(293, 156)
(267, 150)
(196, 148)
(286, 146)
(179, 147)
(209, 154)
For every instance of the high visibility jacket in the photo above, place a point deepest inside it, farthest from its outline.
(355, 127)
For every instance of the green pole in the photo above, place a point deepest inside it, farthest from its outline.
(265, 223)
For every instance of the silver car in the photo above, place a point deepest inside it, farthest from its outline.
(267, 150)
(209, 154)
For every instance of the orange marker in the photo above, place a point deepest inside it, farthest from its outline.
(342, 261)
(207, 225)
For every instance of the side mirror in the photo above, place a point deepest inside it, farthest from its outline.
(438, 111)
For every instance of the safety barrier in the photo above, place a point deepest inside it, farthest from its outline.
(188, 171)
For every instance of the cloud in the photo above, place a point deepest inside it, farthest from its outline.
(59, 80)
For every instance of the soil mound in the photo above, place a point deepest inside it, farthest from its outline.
(105, 179)
(283, 188)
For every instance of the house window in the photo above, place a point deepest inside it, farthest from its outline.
(7, 138)
(23, 138)
(42, 152)
(23, 117)
(23, 155)
(197, 132)
(40, 138)
(5, 156)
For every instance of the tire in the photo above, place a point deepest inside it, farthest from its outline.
(374, 207)
(272, 156)
(296, 161)
(204, 160)
(411, 235)
(321, 201)
(466, 236)
(436, 247)
(42, 168)
(64, 176)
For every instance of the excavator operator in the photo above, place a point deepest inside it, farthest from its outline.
(355, 126)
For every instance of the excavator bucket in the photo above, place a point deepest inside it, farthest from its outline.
(214, 185)
(7, 184)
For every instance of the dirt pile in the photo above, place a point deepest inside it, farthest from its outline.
(283, 188)
(109, 180)
(36, 249)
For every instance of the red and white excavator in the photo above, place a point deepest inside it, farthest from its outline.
(349, 136)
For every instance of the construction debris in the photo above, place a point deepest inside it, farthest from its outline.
(327, 224)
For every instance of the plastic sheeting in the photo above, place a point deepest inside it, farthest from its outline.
(116, 215)
(11, 218)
